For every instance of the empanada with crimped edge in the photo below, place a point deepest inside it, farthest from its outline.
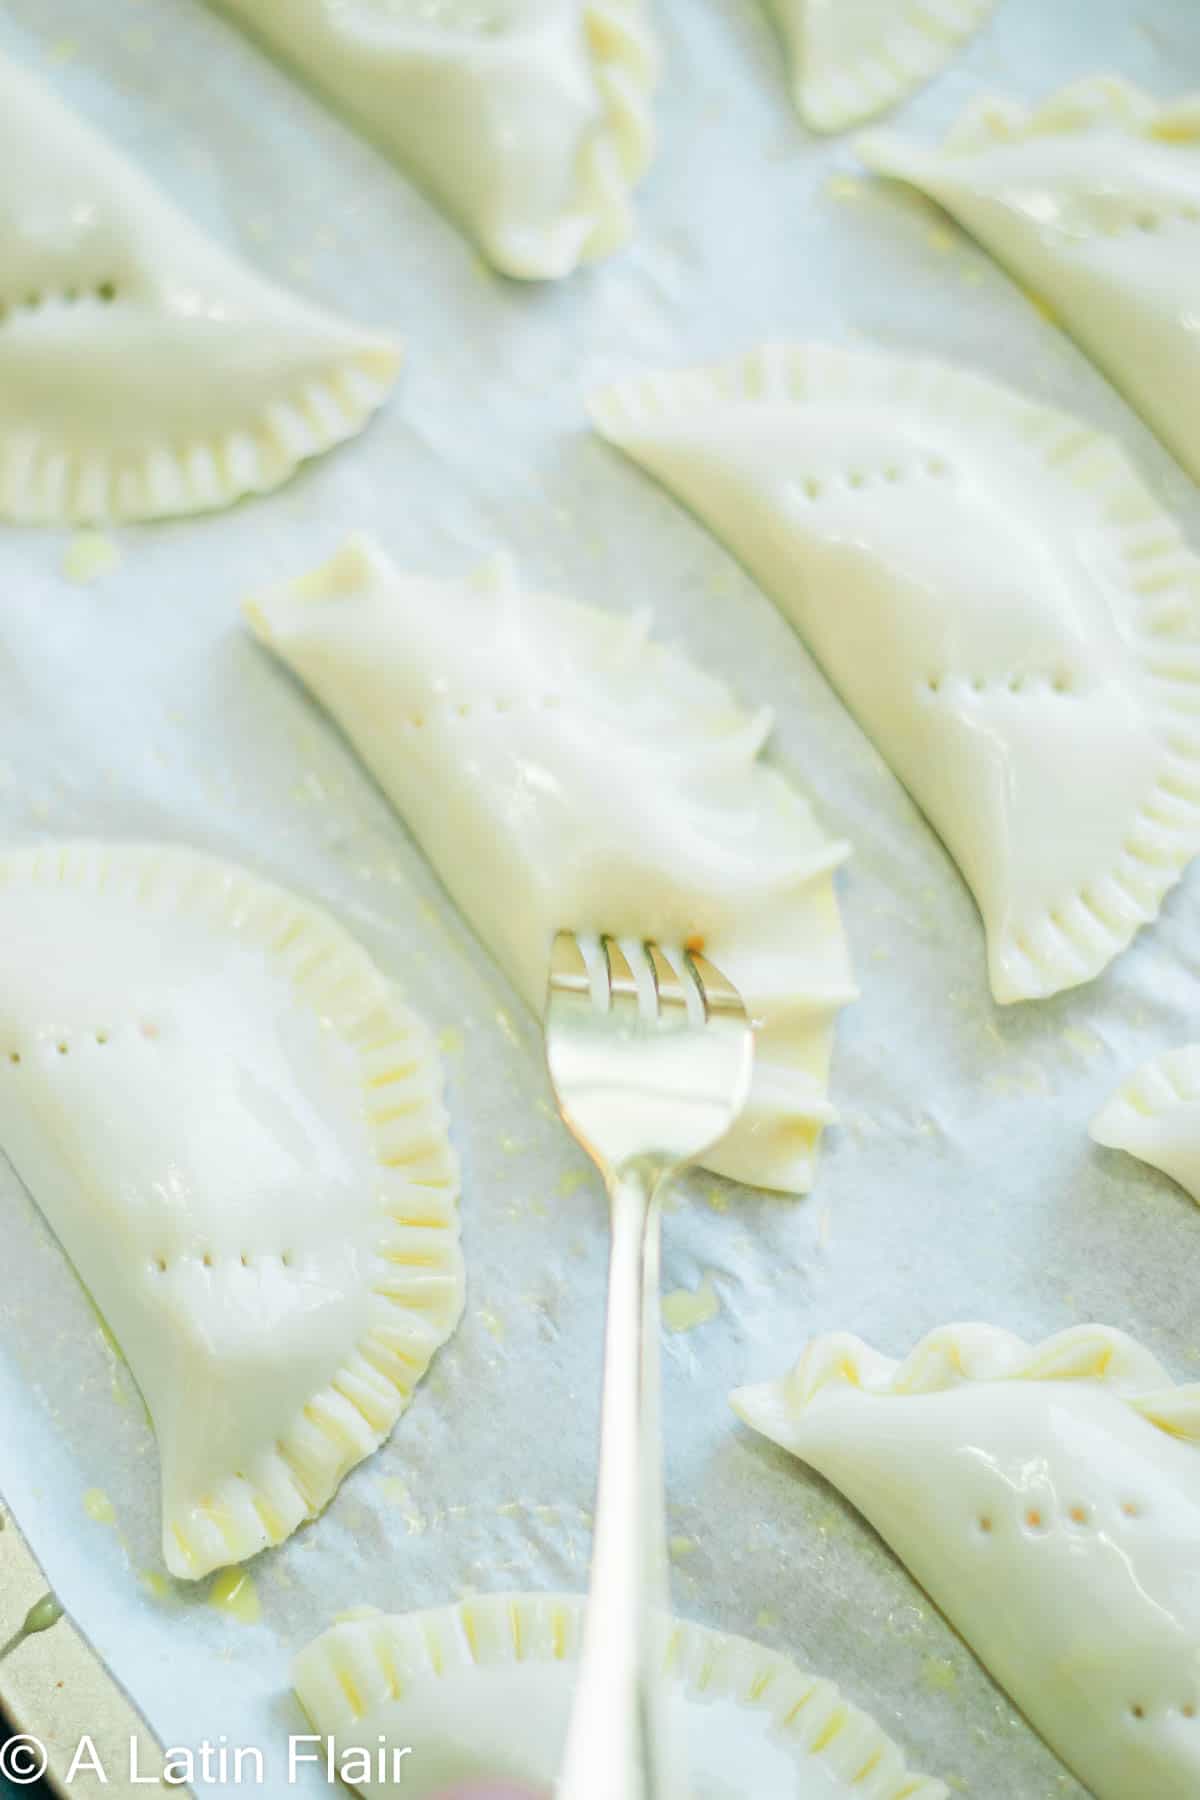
(1000, 601)
(235, 1129)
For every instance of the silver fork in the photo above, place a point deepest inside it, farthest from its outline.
(644, 1091)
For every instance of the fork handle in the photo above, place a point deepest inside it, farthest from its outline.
(615, 1742)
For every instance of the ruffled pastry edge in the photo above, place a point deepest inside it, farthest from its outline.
(624, 57)
(775, 1143)
(958, 1355)
(919, 40)
(991, 121)
(1156, 1089)
(46, 481)
(419, 1289)
(363, 1663)
(1075, 940)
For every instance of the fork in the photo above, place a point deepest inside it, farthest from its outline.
(645, 1089)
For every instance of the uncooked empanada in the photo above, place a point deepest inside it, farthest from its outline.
(483, 1690)
(1048, 1499)
(529, 120)
(144, 371)
(236, 1131)
(996, 596)
(852, 58)
(560, 772)
(1155, 1115)
(1092, 200)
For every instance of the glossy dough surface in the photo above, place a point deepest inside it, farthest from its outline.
(484, 1689)
(852, 58)
(528, 120)
(559, 771)
(1155, 1115)
(996, 597)
(236, 1131)
(1048, 1499)
(144, 371)
(1092, 200)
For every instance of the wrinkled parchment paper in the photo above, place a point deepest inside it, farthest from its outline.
(960, 1184)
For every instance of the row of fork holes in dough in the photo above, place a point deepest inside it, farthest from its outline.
(285, 1258)
(811, 487)
(464, 709)
(1057, 681)
(1037, 1525)
(1035, 1520)
(104, 291)
(62, 1046)
(148, 1029)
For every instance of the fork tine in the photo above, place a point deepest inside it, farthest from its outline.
(721, 999)
(626, 1000)
(568, 969)
(667, 984)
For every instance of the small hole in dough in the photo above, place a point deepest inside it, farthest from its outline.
(208, 1261)
(1062, 682)
(14, 1057)
(107, 292)
(1188, 1709)
(62, 1049)
(160, 1263)
(985, 1524)
(812, 487)
(856, 478)
(934, 683)
(1033, 1519)
(1131, 1509)
(1147, 221)
(102, 1037)
(1138, 1710)
(245, 1260)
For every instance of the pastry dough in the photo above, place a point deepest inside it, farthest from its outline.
(1156, 1116)
(484, 1689)
(998, 599)
(529, 120)
(1048, 1499)
(1092, 200)
(143, 370)
(853, 58)
(561, 772)
(236, 1131)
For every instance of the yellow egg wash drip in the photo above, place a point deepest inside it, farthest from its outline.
(234, 1592)
(98, 1506)
(683, 1310)
(88, 556)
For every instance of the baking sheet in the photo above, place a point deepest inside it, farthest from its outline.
(960, 1184)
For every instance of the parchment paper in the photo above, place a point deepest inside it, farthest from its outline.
(961, 1183)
